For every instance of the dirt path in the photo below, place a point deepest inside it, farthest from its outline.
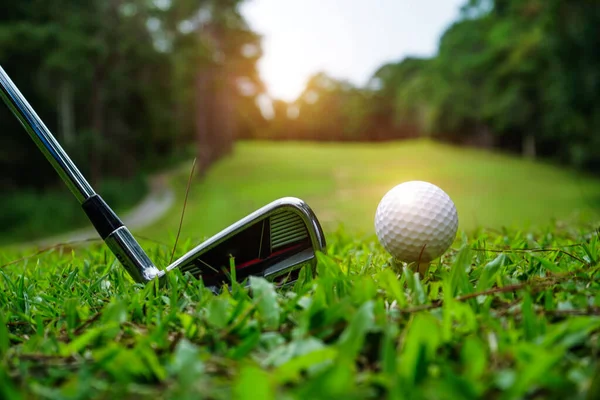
(158, 201)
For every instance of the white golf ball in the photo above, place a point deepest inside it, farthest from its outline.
(416, 221)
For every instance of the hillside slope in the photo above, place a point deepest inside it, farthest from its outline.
(343, 183)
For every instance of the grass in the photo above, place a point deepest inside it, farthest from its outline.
(506, 313)
(343, 183)
(505, 323)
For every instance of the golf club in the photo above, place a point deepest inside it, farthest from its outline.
(273, 242)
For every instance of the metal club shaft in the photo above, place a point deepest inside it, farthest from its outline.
(108, 225)
(44, 140)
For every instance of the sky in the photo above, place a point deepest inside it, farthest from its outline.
(347, 39)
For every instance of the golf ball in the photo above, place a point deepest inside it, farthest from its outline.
(416, 221)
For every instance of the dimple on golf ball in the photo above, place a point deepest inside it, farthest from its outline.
(416, 221)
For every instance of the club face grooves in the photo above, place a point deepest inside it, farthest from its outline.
(286, 228)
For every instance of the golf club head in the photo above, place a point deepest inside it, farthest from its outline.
(274, 242)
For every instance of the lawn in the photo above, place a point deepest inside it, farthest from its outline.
(343, 183)
(501, 323)
(507, 313)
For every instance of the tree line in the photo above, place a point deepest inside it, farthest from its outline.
(519, 75)
(127, 85)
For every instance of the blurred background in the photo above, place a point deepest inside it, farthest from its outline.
(334, 101)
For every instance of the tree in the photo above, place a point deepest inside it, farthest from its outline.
(128, 79)
(226, 67)
(399, 99)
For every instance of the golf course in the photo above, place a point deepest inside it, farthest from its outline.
(343, 183)
(362, 326)
(205, 199)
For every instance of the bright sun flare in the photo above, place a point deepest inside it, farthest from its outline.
(285, 77)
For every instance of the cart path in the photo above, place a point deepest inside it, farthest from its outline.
(158, 201)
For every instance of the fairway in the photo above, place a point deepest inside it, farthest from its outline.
(343, 183)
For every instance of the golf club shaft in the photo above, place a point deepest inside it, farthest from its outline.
(108, 225)
(44, 139)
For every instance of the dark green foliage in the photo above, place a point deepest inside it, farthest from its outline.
(29, 214)
(494, 318)
(119, 83)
